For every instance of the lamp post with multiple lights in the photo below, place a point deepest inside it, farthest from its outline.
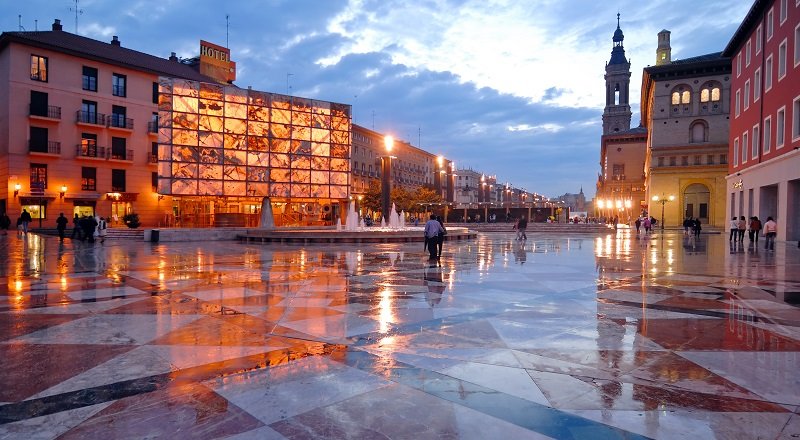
(386, 177)
(663, 200)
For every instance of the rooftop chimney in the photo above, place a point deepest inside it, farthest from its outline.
(57, 25)
(173, 57)
(114, 41)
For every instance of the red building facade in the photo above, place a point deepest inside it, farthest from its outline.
(764, 147)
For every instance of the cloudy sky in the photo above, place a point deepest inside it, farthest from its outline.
(506, 87)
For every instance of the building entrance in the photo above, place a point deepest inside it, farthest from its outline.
(696, 199)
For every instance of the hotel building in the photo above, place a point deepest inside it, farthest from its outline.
(764, 142)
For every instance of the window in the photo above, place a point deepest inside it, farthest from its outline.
(738, 102)
(119, 148)
(770, 19)
(672, 161)
(39, 104)
(780, 127)
(782, 60)
(38, 68)
(738, 65)
(747, 94)
(118, 180)
(686, 97)
(782, 12)
(723, 159)
(88, 147)
(715, 94)
(154, 152)
(797, 45)
(38, 140)
(697, 160)
(89, 79)
(705, 95)
(684, 160)
(88, 179)
(736, 152)
(796, 119)
(155, 93)
(767, 145)
(745, 144)
(697, 132)
(710, 159)
(757, 85)
(119, 117)
(154, 181)
(768, 74)
(38, 177)
(747, 54)
(676, 98)
(118, 85)
(89, 112)
(756, 137)
(759, 36)
(661, 161)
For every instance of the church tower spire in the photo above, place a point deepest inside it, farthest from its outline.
(617, 113)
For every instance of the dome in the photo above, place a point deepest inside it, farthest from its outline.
(618, 35)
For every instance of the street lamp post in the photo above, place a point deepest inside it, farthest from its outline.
(663, 200)
(386, 176)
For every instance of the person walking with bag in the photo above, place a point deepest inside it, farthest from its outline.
(102, 229)
(770, 231)
(432, 229)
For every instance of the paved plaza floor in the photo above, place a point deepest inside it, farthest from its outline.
(581, 336)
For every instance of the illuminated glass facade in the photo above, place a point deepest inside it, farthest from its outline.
(217, 140)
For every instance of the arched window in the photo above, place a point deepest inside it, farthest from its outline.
(698, 132)
(681, 94)
(715, 94)
(686, 97)
(704, 95)
(676, 98)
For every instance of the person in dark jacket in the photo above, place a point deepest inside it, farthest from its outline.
(697, 227)
(61, 225)
(76, 227)
(24, 219)
(5, 222)
(442, 233)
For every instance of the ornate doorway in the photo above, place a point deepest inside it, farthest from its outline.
(696, 199)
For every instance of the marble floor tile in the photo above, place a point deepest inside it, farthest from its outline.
(592, 337)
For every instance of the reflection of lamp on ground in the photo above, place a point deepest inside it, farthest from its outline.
(386, 176)
(663, 200)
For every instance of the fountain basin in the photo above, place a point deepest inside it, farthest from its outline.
(365, 235)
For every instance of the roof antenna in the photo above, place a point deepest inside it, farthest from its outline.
(36, 25)
(227, 26)
(19, 21)
(77, 10)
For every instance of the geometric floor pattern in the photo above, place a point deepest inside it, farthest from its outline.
(575, 336)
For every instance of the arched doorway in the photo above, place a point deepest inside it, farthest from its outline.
(696, 199)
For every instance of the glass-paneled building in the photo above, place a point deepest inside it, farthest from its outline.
(223, 148)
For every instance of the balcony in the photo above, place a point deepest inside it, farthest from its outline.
(126, 155)
(90, 152)
(152, 127)
(92, 118)
(47, 112)
(618, 177)
(152, 158)
(44, 147)
(120, 121)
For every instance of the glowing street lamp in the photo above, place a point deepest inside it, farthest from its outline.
(663, 200)
(386, 182)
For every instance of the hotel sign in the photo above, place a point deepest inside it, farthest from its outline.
(215, 61)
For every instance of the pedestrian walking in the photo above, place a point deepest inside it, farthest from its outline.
(76, 228)
(741, 226)
(442, 233)
(755, 229)
(770, 231)
(647, 225)
(697, 227)
(432, 229)
(638, 224)
(687, 225)
(24, 219)
(734, 226)
(102, 229)
(522, 225)
(61, 226)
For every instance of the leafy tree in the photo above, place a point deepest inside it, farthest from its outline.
(132, 220)
(404, 199)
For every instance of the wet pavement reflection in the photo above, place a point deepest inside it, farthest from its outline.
(571, 336)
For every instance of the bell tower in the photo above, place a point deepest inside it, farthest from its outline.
(617, 113)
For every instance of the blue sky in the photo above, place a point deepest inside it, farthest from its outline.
(511, 88)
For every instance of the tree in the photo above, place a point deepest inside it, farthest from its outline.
(404, 200)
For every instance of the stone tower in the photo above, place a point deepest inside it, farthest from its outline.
(664, 51)
(617, 114)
